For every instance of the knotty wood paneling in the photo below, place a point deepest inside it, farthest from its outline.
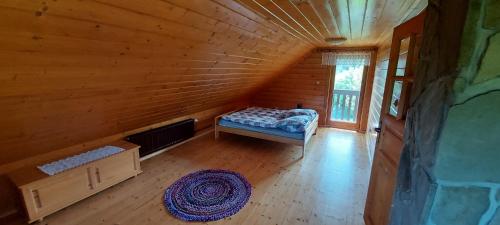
(378, 91)
(376, 99)
(9, 194)
(73, 71)
(137, 201)
(362, 22)
(306, 82)
(379, 81)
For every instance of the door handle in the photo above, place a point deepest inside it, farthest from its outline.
(89, 176)
(98, 175)
(396, 103)
(36, 197)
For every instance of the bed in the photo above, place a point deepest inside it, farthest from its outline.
(294, 126)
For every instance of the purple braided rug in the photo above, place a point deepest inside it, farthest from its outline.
(207, 195)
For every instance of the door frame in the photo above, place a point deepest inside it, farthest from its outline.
(408, 29)
(365, 93)
(390, 141)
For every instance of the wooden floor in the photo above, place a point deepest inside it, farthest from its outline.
(327, 187)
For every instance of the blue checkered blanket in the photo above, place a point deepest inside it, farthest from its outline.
(293, 120)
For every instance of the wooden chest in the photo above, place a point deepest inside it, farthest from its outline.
(43, 194)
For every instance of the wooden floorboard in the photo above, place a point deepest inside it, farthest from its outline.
(327, 187)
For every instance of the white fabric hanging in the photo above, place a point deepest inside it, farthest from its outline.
(346, 58)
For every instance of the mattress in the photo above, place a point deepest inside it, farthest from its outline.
(271, 131)
(291, 120)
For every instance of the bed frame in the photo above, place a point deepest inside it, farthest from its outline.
(309, 132)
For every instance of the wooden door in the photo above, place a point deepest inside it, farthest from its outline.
(344, 109)
(383, 175)
(347, 109)
(403, 59)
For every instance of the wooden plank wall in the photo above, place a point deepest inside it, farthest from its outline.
(377, 96)
(378, 90)
(9, 196)
(73, 71)
(306, 82)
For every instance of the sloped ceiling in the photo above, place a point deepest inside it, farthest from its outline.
(77, 70)
(360, 22)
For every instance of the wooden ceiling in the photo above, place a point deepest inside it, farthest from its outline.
(76, 70)
(361, 22)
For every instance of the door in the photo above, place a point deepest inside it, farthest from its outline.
(403, 59)
(348, 88)
(384, 175)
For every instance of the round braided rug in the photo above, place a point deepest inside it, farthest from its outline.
(207, 195)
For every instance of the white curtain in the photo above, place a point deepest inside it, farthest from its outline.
(346, 58)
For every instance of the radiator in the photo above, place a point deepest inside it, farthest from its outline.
(162, 137)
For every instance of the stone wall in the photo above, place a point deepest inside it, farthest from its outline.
(450, 168)
(467, 169)
(431, 99)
